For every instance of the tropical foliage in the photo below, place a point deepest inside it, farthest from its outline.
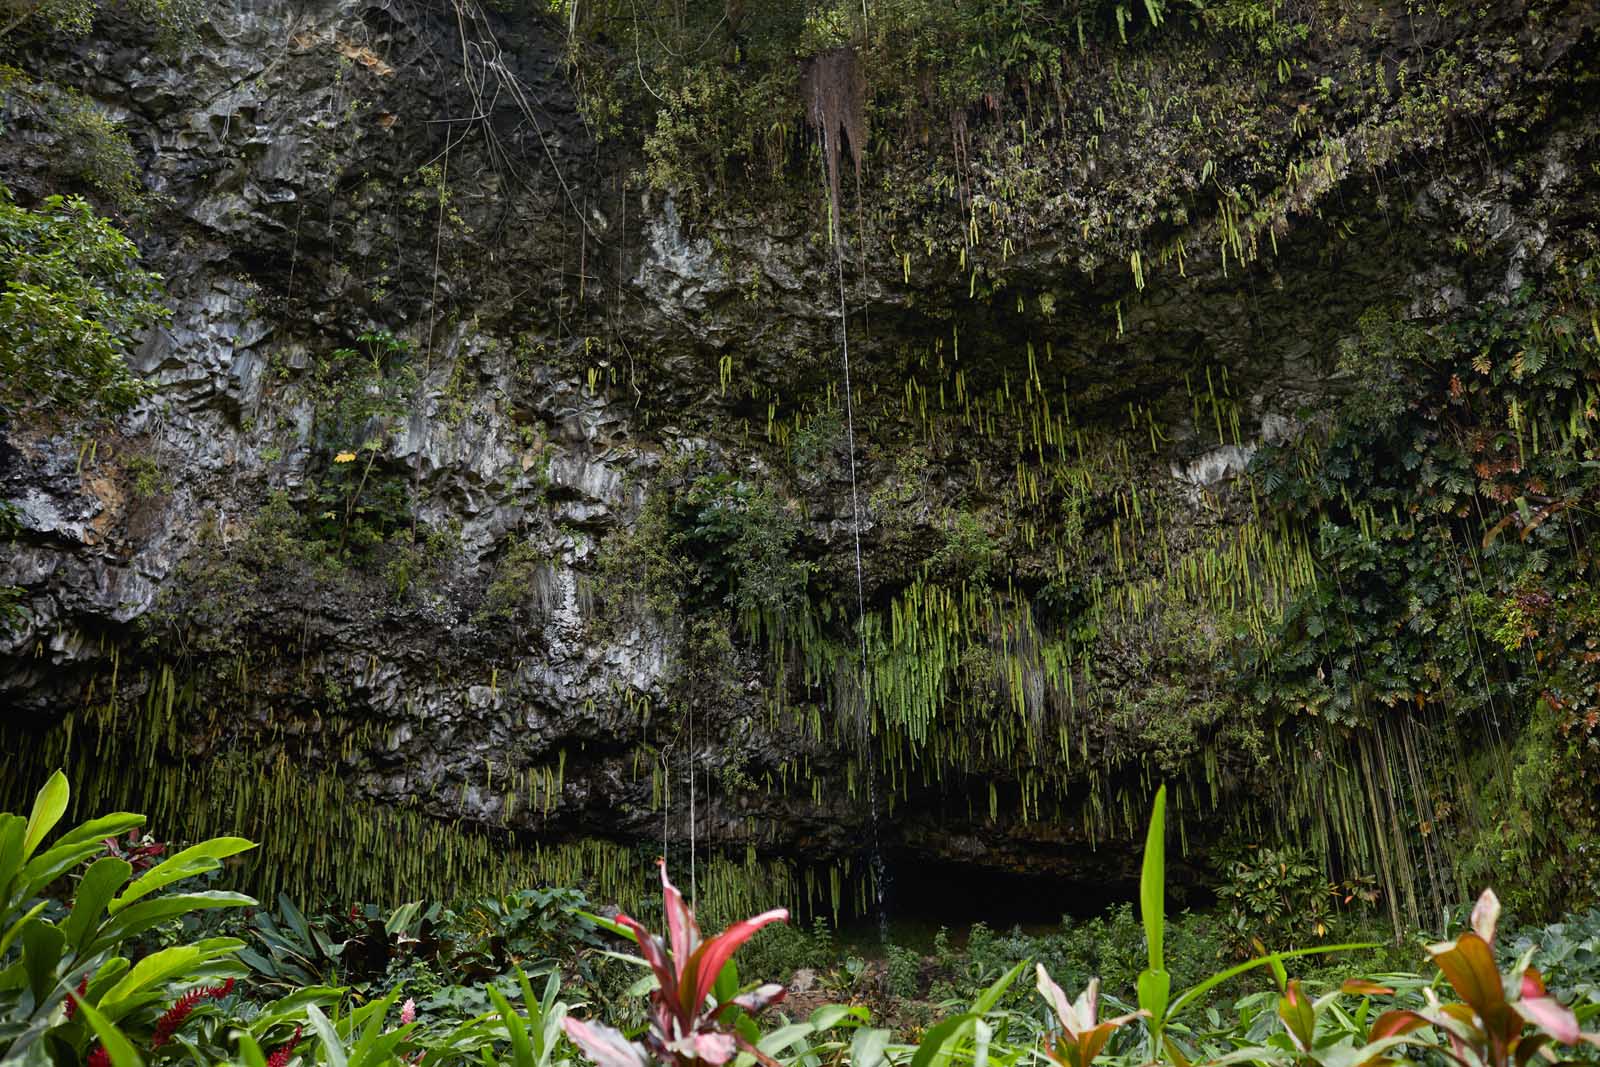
(72, 300)
(127, 975)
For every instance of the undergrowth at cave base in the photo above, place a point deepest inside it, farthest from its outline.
(118, 952)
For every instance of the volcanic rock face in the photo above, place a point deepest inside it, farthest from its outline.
(506, 492)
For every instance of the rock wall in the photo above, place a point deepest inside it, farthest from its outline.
(491, 496)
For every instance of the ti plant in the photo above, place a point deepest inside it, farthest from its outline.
(1501, 1020)
(1082, 1034)
(693, 1009)
(65, 979)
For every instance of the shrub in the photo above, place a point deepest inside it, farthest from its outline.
(72, 299)
(66, 978)
(903, 974)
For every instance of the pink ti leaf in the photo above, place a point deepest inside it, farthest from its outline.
(1053, 996)
(605, 1046)
(761, 998)
(1551, 1016)
(682, 930)
(707, 1045)
(1486, 915)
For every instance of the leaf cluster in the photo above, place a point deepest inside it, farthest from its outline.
(74, 300)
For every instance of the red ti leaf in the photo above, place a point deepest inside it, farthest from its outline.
(1364, 987)
(1395, 1024)
(1529, 1047)
(650, 949)
(707, 962)
(1468, 962)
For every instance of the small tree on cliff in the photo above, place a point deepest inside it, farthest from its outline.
(72, 298)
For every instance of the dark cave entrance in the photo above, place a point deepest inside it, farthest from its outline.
(926, 895)
(963, 893)
(929, 894)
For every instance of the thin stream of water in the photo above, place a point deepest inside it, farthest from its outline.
(874, 844)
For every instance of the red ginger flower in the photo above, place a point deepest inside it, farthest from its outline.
(280, 1058)
(174, 1016)
(99, 1057)
(72, 1002)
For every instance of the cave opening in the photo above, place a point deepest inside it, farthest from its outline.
(926, 895)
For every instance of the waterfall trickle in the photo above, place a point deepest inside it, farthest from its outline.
(875, 861)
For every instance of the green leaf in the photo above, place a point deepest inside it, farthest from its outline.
(55, 861)
(1196, 992)
(521, 1050)
(147, 913)
(99, 883)
(1280, 973)
(372, 1039)
(609, 925)
(401, 918)
(107, 975)
(249, 1051)
(41, 953)
(259, 963)
(867, 1047)
(97, 830)
(118, 1047)
(198, 859)
(163, 966)
(784, 1037)
(296, 921)
(830, 1015)
(1155, 988)
(982, 1036)
(330, 1038)
(48, 807)
(937, 1036)
(726, 987)
(991, 996)
(12, 828)
(1153, 882)
(293, 1006)
(16, 927)
(552, 989)
(534, 1006)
